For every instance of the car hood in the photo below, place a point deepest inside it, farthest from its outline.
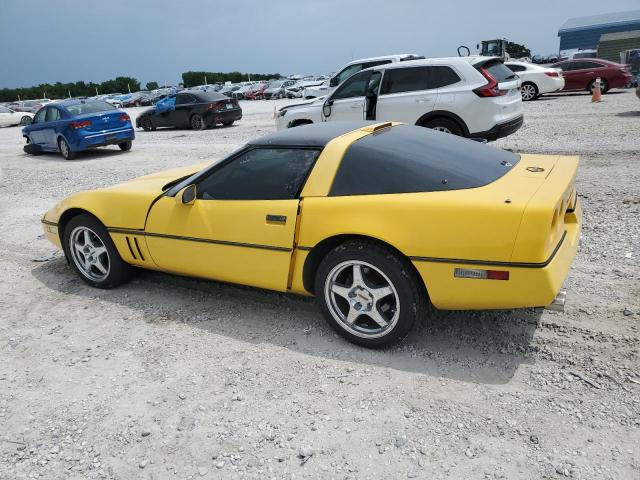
(124, 205)
(313, 103)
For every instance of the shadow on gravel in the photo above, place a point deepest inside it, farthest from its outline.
(475, 346)
(628, 114)
(92, 154)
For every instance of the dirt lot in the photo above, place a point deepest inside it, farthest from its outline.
(169, 377)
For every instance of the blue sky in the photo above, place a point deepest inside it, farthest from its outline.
(70, 40)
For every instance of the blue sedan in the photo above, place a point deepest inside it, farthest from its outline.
(72, 126)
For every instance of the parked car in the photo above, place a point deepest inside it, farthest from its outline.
(351, 68)
(581, 74)
(10, 118)
(376, 220)
(138, 99)
(73, 126)
(31, 106)
(277, 89)
(296, 90)
(468, 96)
(583, 54)
(239, 93)
(256, 92)
(229, 89)
(191, 108)
(536, 80)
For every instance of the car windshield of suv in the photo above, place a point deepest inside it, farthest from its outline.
(89, 107)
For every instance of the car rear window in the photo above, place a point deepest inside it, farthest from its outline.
(499, 71)
(407, 159)
(89, 107)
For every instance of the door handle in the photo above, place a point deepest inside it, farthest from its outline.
(276, 218)
(422, 100)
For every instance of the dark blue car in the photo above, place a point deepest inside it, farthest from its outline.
(72, 126)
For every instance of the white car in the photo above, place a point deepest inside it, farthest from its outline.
(351, 68)
(536, 80)
(9, 118)
(296, 90)
(475, 97)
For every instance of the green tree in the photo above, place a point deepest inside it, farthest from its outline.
(152, 85)
(515, 50)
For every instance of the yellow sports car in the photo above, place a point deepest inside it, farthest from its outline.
(376, 220)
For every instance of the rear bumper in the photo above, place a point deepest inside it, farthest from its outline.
(102, 139)
(500, 130)
(529, 285)
(223, 116)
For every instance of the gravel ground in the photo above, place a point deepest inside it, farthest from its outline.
(170, 377)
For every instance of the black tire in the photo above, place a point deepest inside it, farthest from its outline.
(118, 271)
(197, 122)
(228, 124)
(125, 146)
(31, 149)
(400, 308)
(26, 120)
(529, 91)
(604, 86)
(445, 125)
(147, 124)
(65, 150)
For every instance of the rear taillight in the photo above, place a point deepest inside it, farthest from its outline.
(215, 105)
(552, 73)
(491, 89)
(78, 125)
(124, 117)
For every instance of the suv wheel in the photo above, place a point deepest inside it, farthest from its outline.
(368, 294)
(445, 125)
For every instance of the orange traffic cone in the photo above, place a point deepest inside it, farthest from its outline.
(596, 93)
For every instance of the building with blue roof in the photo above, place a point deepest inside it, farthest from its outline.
(583, 33)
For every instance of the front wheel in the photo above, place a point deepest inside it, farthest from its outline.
(529, 91)
(197, 122)
(604, 87)
(92, 254)
(368, 294)
(65, 150)
(147, 124)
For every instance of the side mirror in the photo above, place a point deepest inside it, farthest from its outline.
(326, 108)
(188, 195)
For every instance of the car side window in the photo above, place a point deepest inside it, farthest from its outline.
(565, 67)
(347, 72)
(442, 76)
(356, 86)
(516, 68)
(591, 65)
(260, 174)
(398, 80)
(53, 114)
(182, 99)
(39, 118)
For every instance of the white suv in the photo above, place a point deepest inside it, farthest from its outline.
(476, 97)
(352, 68)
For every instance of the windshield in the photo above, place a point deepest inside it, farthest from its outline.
(89, 107)
(275, 84)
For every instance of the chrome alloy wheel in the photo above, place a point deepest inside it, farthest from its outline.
(528, 92)
(64, 148)
(89, 253)
(441, 129)
(362, 299)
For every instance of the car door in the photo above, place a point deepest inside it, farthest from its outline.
(163, 109)
(242, 224)
(179, 117)
(35, 129)
(6, 117)
(571, 73)
(51, 127)
(405, 94)
(348, 101)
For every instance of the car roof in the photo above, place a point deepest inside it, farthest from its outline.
(435, 61)
(396, 56)
(74, 101)
(312, 135)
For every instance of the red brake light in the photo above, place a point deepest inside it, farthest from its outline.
(491, 89)
(215, 105)
(124, 117)
(552, 73)
(497, 275)
(78, 125)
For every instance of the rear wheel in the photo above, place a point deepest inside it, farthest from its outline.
(147, 124)
(444, 125)
(368, 294)
(65, 150)
(26, 120)
(197, 122)
(604, 86)
(529, 91)
(125, 146)
(92, 254)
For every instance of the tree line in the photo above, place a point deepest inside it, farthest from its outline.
(119, 85)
